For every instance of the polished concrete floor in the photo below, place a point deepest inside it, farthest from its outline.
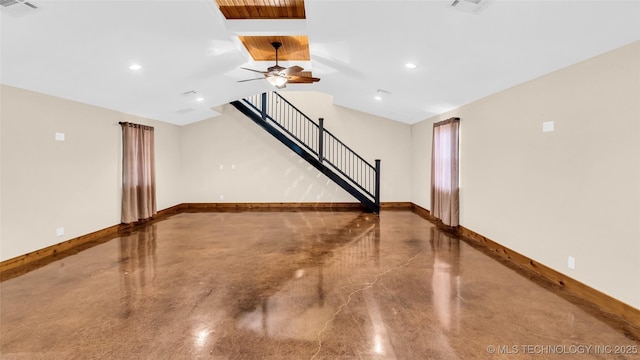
(293, 285)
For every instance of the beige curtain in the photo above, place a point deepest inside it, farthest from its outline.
(444, 172)
(138, 173)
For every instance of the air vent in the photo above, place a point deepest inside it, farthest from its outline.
(470, 6)
(18, 7)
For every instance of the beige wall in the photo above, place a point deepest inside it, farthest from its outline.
(73, 184)
(230, 156)
(571, 192)
(421, 134)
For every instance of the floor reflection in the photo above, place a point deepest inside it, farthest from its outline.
(381, 344)
(296, 311)
(294, 285)
(297, 308)
(446, 279)
(445, 285)
(137, 265)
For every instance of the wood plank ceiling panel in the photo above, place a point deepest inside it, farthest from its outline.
(262, 9)
(294, 48)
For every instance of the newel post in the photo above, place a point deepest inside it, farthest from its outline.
(378, 184)
(321, 139)
(264, 106)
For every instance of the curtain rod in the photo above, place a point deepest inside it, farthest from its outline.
(144, 127)
(448, 121)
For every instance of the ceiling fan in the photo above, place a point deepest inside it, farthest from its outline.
(279, 77)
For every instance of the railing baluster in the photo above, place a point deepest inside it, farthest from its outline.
(305, 132)
(351, 165)
(320, 140)
(377, 193)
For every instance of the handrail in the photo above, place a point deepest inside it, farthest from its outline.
(266, 116)
(343, 144)
(293, 106)
(321, 143)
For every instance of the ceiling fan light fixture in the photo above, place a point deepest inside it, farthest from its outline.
(277, 81)
(279, 76)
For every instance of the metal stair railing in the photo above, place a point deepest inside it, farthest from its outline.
(330, 151)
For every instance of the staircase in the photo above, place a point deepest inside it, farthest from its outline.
(316, 145)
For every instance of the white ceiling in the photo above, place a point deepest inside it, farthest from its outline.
(81, 50)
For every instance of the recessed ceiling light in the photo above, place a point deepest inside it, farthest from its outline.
(410, 65)
(378, 97)
(135, 67)
(200, 99)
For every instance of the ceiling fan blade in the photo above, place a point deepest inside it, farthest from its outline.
(251, 79)
(302, 80)
(293, 70)
(258, 71)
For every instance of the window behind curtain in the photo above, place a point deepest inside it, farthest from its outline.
(138, 173)
(445, 172)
